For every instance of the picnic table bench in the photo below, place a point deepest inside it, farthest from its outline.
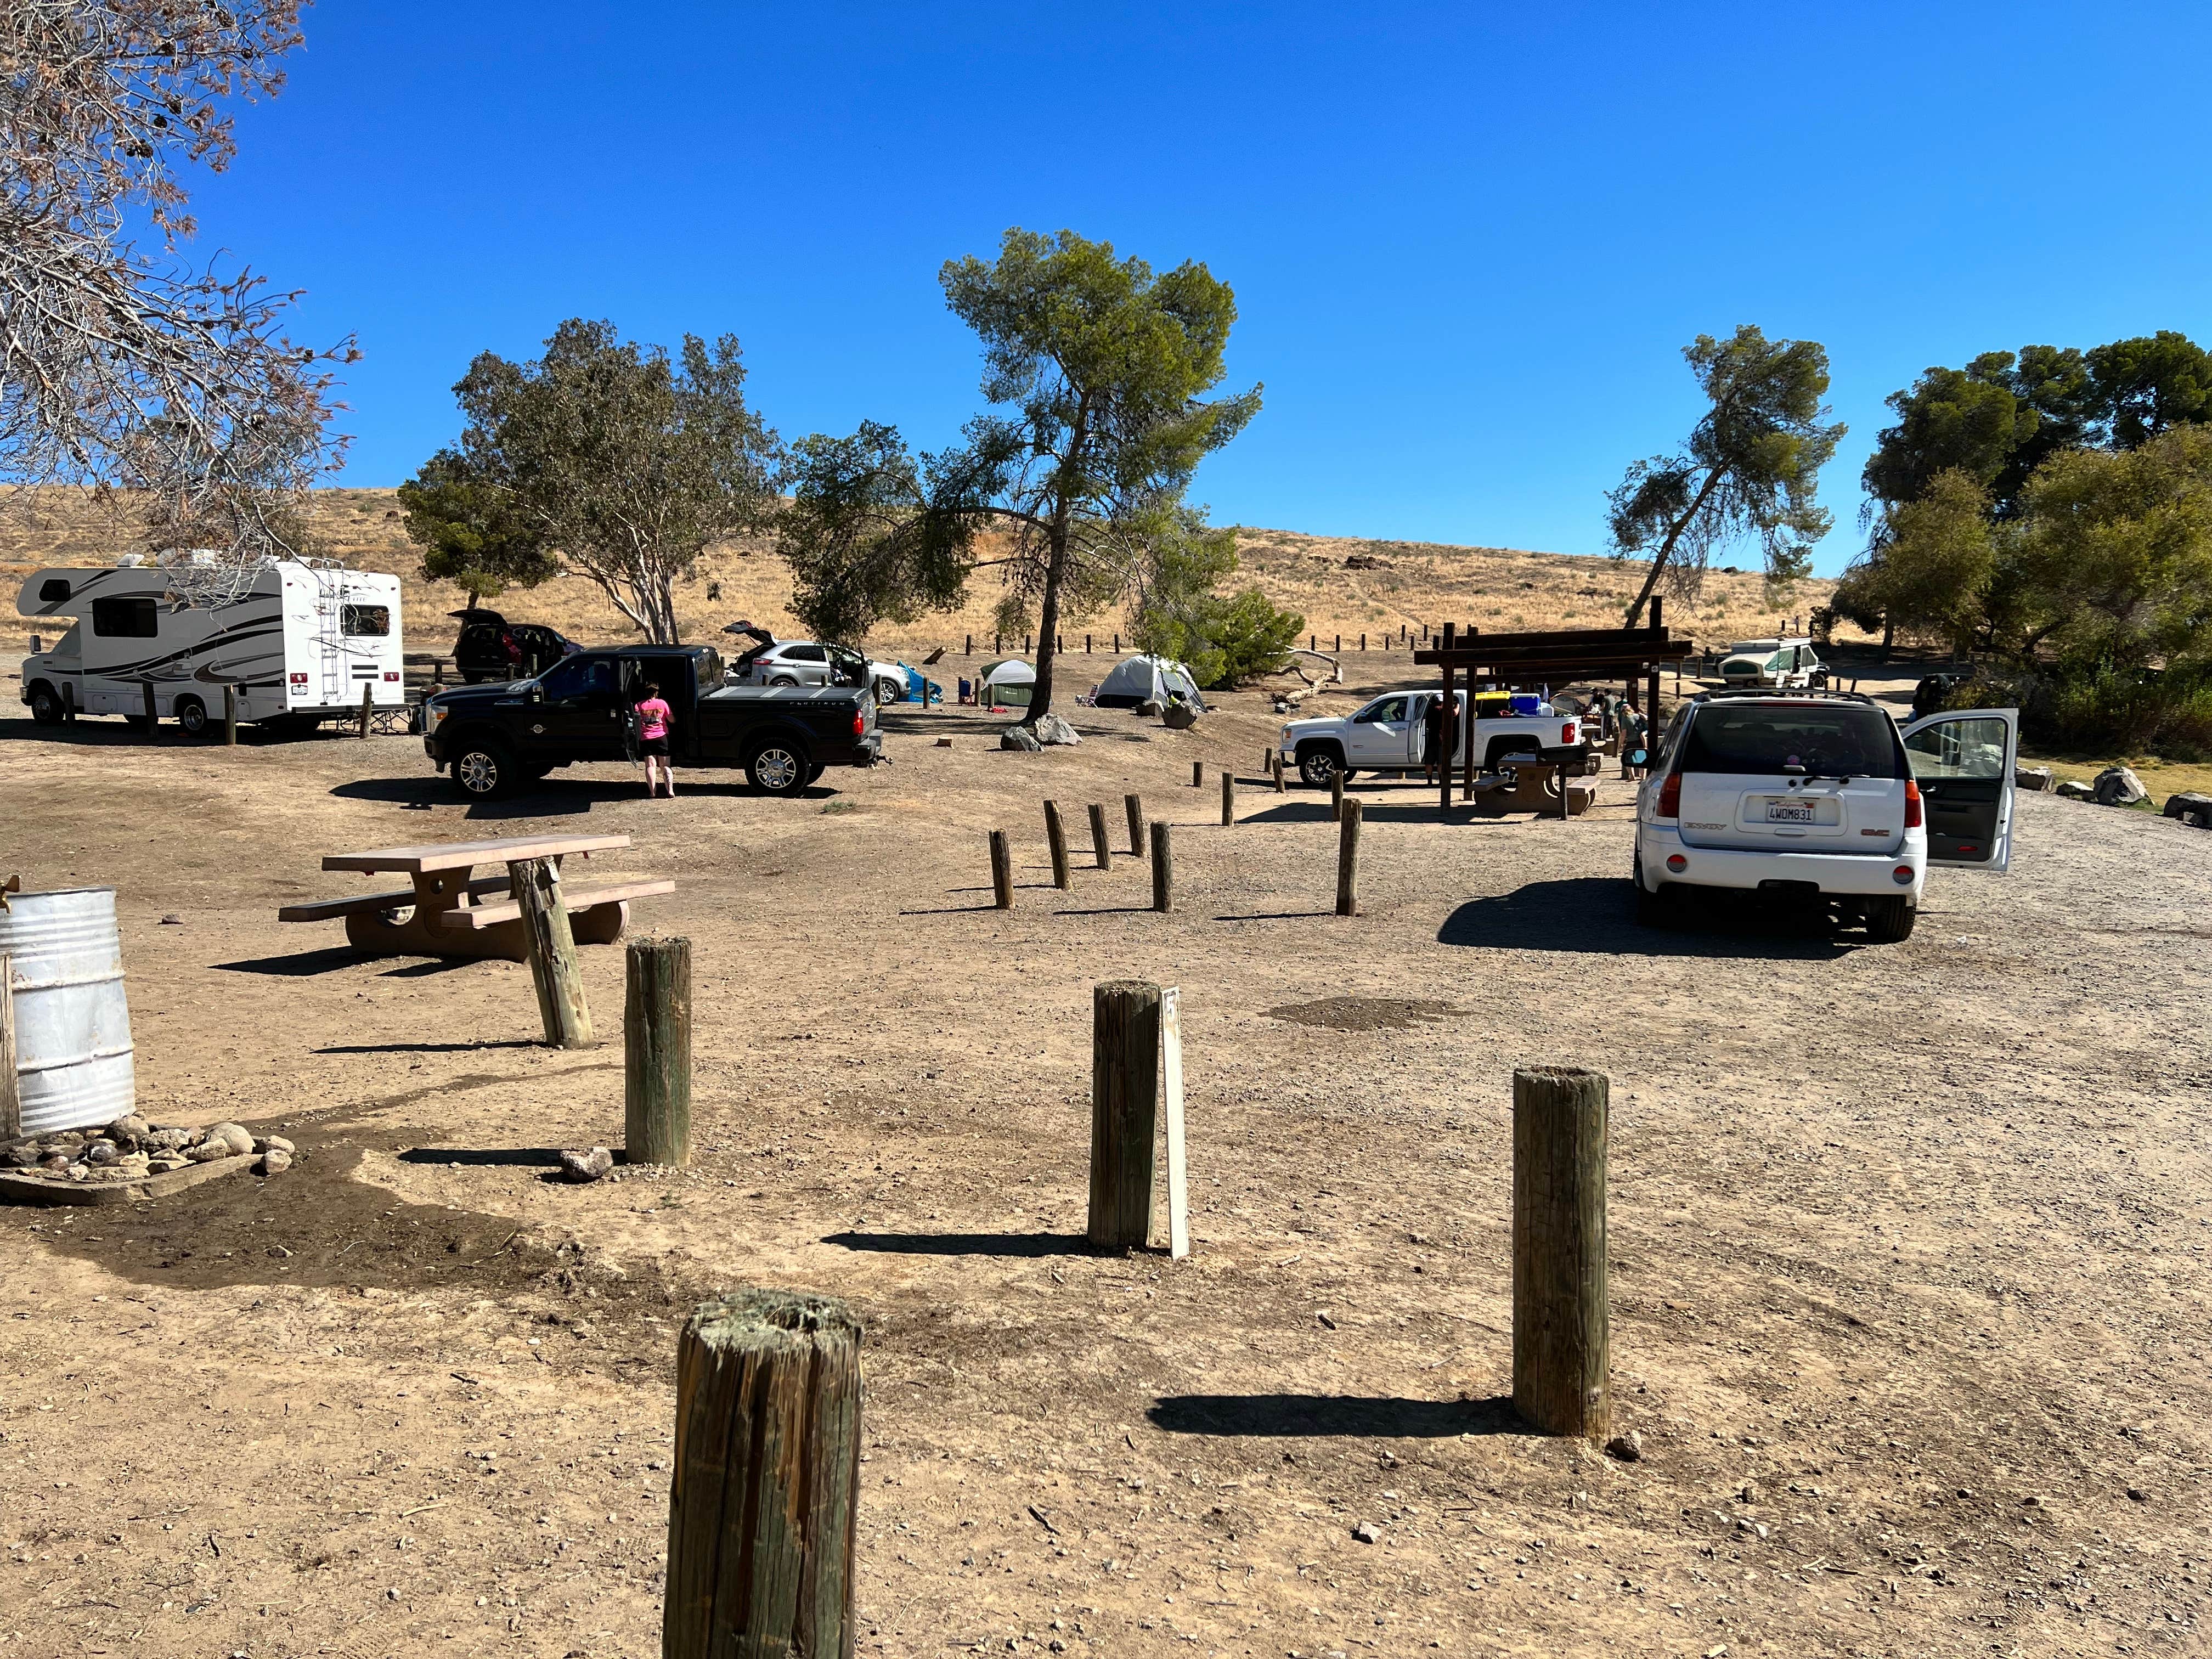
(445, 912)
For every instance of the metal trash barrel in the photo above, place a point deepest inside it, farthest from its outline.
(72, 1026)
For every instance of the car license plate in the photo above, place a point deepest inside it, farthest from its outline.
(1779, 811)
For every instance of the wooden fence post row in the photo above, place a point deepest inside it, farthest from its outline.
(657, 1053)
(767, 1471)
(1561, 1341)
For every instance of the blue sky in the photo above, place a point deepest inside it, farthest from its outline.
(1467, 242)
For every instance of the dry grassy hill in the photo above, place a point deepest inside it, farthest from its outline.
(1392, 585)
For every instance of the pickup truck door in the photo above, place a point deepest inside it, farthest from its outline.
(1381, 734)
(1963, 761)
(576, 712)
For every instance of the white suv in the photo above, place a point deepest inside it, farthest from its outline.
(1820, 793)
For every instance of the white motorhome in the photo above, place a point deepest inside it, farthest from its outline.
(300, 640)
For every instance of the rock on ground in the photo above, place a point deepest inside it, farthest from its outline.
(1019, 737)
(586, 1166)
(1051, 729)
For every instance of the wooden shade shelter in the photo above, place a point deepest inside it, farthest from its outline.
(1630, 654)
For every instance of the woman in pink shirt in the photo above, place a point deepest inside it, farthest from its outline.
(653, 718)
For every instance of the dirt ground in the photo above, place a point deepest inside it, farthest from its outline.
(1908, 1242)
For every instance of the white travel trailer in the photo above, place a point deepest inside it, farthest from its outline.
(301, 640)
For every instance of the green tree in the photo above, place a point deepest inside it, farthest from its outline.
(1098, 367)
(1223, 640)
(1968, 421)
(1751, 467)
(2149, 384)
(624, 464)
(475, 536)
(2111, 561)
(1929, 572)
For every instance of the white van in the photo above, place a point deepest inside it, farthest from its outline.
(300, 640)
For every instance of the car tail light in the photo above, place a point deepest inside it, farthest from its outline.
(1676, 863)
(1902, 875)
(389, 676)
(299, 679)
(1670, 797)
(1567, 735)
(1911, 805)
(860, 723)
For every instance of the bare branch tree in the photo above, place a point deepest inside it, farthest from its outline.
(124, 365)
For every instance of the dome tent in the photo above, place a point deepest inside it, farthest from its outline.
(1142, 679)
(1009, 682)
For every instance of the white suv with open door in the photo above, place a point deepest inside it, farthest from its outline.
(1820, 793)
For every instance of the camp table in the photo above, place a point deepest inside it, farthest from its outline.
(445, 913)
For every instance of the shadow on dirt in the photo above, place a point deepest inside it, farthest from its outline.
(1276, 1414)
(998, 1244)
(1594, 916)
(499, 1157)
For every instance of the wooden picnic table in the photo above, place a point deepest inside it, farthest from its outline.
(451, 911)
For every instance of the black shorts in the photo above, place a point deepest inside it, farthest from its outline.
(658, 746)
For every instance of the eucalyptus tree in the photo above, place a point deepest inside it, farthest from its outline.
(615, 459)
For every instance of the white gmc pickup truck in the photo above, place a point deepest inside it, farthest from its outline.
(1390, 735)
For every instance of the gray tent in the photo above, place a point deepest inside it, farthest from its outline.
(1148, 679)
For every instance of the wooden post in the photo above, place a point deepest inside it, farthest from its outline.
(12, 1088)
(230, 716)
(1124, 1059)
(1162, 871)
(1086, 644)
(1002, 871)
(1228, 799)
(1565, 810)
(1348, 860)
(657, 1053)
(1055, 837)
(1099, 847)
(1275, 765)
(1171, 1104)
(534, 886)
(969, 649)
(767, 1471)
(1561, 1357)
(153, 720)
(69, 702)
(1448, 731)
(1363, 641)
(367, 693)
(1135, 806)
(1336, 794)
(1025, 644)
(1339, 645)
(1198, 774)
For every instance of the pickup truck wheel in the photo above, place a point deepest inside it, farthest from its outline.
(775, 768)
(814, 774)
(1318, 763)
(1889, 920)
(484, 771)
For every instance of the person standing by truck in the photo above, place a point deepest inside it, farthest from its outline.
(653, 718)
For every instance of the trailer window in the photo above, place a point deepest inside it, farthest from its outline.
(53, 590)
(365, 620)
(124, 619)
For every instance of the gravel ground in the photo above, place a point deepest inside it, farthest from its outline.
(1907, 1242)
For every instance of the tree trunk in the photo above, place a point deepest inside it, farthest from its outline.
(1666, 548)
(1048, 632)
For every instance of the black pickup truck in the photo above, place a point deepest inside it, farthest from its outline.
(497, 738)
